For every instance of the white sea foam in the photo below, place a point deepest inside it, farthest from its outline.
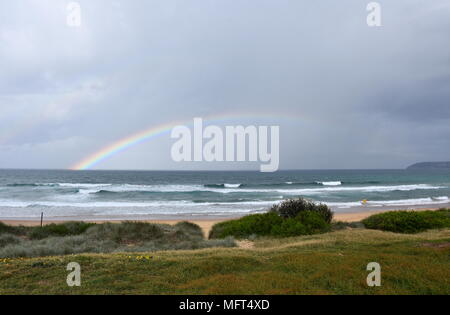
(86, 191)
(81, 185)
(313, 191)
(401, 202)
(186, 203)
(94, 188)
(301, 191)
(335, 183)
(85, 188)
(125, 204)
(232, 185)
(406, 202)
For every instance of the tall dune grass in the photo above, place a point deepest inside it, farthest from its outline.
(77, 237)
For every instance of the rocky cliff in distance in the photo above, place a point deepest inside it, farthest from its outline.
(430, 166)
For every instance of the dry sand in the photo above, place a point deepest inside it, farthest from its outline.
(205, 224)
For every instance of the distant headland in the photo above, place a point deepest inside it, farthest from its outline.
(429, 166)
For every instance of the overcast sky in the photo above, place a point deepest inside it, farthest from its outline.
(345, 95)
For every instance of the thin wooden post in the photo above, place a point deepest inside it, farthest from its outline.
(42, 217)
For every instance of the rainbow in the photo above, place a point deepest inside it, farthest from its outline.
(153, 132)
(122, 145)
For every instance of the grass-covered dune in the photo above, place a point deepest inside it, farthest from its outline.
(80, 237)
(295, 248)
(330, 263)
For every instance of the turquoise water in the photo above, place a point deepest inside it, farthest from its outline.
(160, 194)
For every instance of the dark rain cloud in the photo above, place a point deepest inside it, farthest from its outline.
(358, 97)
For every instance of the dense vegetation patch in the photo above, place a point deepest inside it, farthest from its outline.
(289, 218)
(408, 221)
(79, 237)
(291, 208)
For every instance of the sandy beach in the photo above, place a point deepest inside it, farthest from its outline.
(205, 224)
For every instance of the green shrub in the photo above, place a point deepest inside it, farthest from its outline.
(7, 239)
(58, 246)
(271, 224)
(189, 228)
(16, 230)
(408, 221)
(292, 207)
(313, 221)
(63, 229)
(305, 223)
(289, 227)
(126, 231)
(258, 224)
(289, 218)
(5, 228)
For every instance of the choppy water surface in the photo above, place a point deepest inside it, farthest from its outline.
(135, 194)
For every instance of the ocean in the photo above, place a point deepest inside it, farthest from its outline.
(100, 195)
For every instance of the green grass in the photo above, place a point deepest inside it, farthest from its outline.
(330, 263)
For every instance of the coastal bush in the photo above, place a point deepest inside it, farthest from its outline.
(271, 224)
(258, 224)
(62, 229)
(289, 227)
(6, 239)
(190, 228)
(289, 218)
(126, 231)
(408, 221)
(71, 238)
(305, 223)
(15, 230)
(292, 207)
(58, 246)
(313, 221)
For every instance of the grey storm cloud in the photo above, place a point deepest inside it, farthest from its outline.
(359, 96)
